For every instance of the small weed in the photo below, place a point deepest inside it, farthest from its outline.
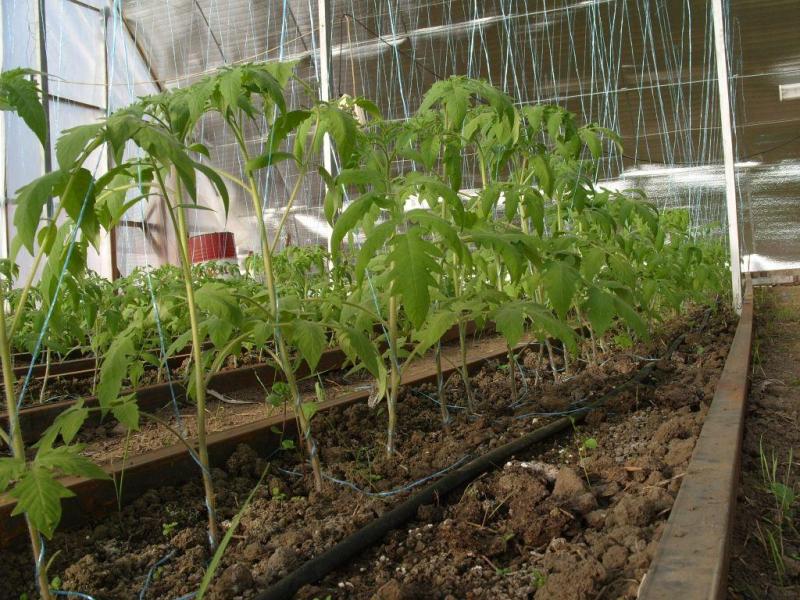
(538, 579)
(168, 528)
(277, 495)
(624, 341)
(782, 516)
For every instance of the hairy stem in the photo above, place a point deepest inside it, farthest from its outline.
(179, 221)
(18, 446)
(394, 377)
(440, 389)
(43, 391)
(283, 354)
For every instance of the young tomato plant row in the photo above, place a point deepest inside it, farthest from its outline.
(535, 247)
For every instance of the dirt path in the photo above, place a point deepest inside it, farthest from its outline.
(760, 568)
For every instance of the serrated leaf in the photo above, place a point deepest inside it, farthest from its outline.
(20, 94)
(113, 371)
(413, 261)
(509, 319)
(69, 461)
(127, 412)
(10, 469)
(309, 410)
(78, 201)
(39, 496)
(435, 327)
(544, 174)
(363, 348)
(30, 202)
(544, 322)
(267, 160)
(349, 219)
(560, 281)
(631, 317)
(592, 142)
(592, 261)
(218, 300)
(72, 141)
(217, 182)
(600, 311)
(310, 340)
(69, 422)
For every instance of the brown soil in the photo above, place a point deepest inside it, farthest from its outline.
(771, 430)
(512, 533)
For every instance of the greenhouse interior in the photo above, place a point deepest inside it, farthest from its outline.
(447, 299)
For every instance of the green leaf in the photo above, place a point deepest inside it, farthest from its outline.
(342, 128)
(364, 349)
(592, 142)
(309, 338)
(69, 461)
(413, 261)
(631, 317)
(349, 218)
(509, 319)
(592, 261)
(544, 174)
(127, 412)
(30, 202)
(39, 495)
(600, 310)
(230, 86)
(218, 300)
(435, 327)
(20, 94)
(544, 322)
(217, 182)
(560, 281)
(10, 469)
(267, 160)
(309, 410)
(113, 371)
(284, 125)
(69, 422)
(72, 142)
(78, 200)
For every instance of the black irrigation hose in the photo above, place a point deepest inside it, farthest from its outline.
(354, 544)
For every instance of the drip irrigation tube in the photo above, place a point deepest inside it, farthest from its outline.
(353, 545)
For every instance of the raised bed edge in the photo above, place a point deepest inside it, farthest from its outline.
(692, 557)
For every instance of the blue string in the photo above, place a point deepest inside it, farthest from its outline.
(69, 594)
(435, 401)
(152, 570)
(46, 325)
(389, 493)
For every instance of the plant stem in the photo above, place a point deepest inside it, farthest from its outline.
(283, 353)
(462, 342)
(440, 388)
(197, 358)
(18, 446)
(394, 377)
(43, 391)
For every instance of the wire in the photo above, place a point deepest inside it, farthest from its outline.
(389, 493)
(699, 164)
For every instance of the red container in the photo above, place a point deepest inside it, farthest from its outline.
(212, 246)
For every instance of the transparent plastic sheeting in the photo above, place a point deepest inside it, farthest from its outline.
(644, 68)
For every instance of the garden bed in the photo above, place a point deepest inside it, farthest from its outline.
(487, 540)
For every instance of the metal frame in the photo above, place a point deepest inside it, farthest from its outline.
(723, 83)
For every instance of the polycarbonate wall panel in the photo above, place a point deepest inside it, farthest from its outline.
(76, 52)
